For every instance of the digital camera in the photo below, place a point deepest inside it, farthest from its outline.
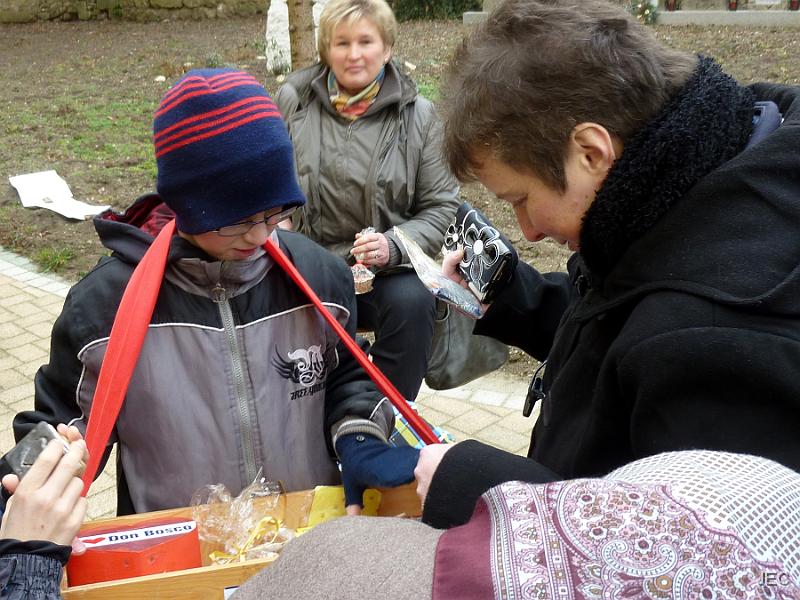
(489, 258)
(22, 456)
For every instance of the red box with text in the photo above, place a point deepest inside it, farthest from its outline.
(140, 548)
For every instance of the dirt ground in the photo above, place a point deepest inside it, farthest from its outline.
(79, 97)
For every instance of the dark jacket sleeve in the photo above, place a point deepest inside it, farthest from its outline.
(352, 396)
(784, 96)
(527, 312)
(31, 570)
(467, 471)
(351, 393)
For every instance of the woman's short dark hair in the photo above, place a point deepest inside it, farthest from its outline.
(534, 69)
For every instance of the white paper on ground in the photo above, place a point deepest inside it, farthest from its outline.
(46, 189)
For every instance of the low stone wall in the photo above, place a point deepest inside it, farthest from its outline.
(688, 5)
(25, 11)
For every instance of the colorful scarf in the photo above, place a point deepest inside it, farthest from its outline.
(352, 107)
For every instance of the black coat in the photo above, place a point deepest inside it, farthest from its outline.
(677, 326)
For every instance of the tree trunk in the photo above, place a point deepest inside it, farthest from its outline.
(301, 33)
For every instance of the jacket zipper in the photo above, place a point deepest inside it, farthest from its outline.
(220, 297)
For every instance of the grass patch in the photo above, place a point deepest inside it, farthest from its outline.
(53, 259)
(112, 133)
(429, 89)
(16, 235)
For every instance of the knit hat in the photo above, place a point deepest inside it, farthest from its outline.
(222, 150)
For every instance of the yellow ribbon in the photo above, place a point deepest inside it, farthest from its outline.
(260, 530)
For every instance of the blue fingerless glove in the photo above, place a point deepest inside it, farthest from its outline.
(369, 462)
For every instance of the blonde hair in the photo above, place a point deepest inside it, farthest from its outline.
(336, 12)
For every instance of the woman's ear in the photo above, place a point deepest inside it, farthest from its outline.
(595, 148)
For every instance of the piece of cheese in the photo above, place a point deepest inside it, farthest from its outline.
(328, 504)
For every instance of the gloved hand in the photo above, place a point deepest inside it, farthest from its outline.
(370, 462)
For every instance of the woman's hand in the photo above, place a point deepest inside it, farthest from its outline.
(450, 270)
(450, 267)
(429, 458)
(47, 503)
(372, 249)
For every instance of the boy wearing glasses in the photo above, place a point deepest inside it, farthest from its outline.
(238, 372)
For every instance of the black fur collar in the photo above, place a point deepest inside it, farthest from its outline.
(706, 124)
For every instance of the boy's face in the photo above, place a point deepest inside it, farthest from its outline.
(541, 210)
(236, 247)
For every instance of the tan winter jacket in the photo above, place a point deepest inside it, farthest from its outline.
(381, 170)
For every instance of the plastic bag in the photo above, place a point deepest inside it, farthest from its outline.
(245, 526)
(430, 273)
(362, 278)
(363, 275)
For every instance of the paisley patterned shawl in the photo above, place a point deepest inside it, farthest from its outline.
(605, 538)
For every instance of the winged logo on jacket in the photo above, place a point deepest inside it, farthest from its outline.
(305, 366)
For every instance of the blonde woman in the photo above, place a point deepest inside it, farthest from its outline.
(367, 155)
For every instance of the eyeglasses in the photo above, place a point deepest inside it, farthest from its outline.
(244, 226)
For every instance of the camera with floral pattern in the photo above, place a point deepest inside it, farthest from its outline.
(489, 258)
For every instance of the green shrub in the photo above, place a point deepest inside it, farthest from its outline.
(407, 10)
(644, 11)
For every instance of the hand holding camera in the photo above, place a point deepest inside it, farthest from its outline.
(486, 258)
(46, 503)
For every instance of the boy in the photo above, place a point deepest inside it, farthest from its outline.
(238, 372)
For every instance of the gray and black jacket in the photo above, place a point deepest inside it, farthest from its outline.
(238, 371)
(382, 170)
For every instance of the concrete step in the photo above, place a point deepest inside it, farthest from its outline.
(751, 18)
(708, 12)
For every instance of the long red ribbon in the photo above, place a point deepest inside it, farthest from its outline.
(124, 345)
(416, 422)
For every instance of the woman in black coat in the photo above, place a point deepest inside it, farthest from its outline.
(677, 325)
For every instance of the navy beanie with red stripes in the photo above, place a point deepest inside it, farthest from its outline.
(222, 150)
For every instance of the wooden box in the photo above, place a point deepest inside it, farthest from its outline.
(210, 582)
